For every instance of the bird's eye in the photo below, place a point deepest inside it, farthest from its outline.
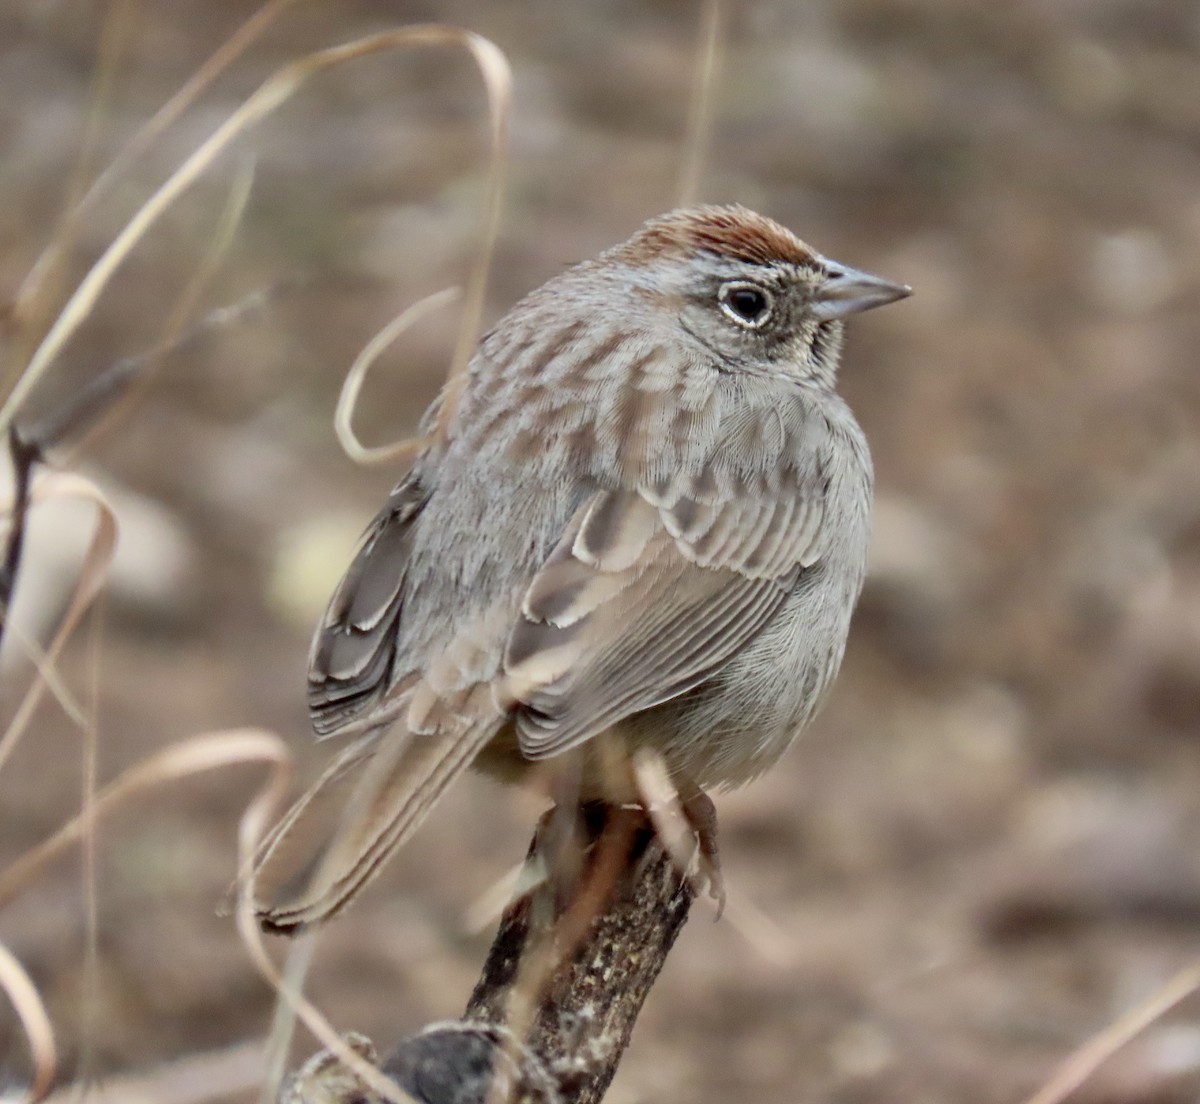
(747, 304)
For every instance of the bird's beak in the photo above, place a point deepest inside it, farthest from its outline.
(848, 291)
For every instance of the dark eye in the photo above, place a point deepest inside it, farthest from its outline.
(747, 304)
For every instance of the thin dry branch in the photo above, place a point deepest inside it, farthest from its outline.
(1080, 1066)
(700, 103)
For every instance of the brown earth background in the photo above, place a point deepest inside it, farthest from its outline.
(985, 849)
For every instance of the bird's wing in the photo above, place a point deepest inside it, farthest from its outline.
(424, 734)
(650, 591)
(351, 659)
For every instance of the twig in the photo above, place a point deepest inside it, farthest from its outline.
(25, 456)
(1084, 1062)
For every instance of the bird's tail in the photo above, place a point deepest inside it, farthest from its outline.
(336, 837)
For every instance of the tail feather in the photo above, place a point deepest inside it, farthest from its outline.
(366, 804)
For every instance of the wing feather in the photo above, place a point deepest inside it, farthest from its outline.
(351, 659)
(648, 592)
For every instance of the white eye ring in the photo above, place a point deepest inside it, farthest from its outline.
(746, 303)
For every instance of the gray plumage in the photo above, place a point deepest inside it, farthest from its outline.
(646, 523)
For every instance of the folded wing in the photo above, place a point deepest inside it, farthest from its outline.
(350, 664)
(647, 594)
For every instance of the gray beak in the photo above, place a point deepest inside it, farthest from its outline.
(848, 291)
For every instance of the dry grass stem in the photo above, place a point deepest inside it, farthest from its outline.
(23, 996)
(1081, 1065)
(45, 670)
(195, 755)
(489, 906)
(275, 91)
(231, 218)
(33, 304)
(700, 103)
(277, 1055)
(88, 584)
(252, 829)
(348, 399)
(33, 287)
(189, 92)
(91, 1002)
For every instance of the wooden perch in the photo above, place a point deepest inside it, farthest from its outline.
(563, 983)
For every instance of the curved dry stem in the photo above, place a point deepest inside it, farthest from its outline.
(192, 756)
(150, 131)
(700, 103)
(343, 417)
(276, 90)
(44, 669)
(88, 585)
(23, 996)
(1102, 1046)
(251, 831)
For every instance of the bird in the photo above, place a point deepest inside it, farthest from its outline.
(643, 525)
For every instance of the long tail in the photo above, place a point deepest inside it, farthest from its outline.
(336, 837)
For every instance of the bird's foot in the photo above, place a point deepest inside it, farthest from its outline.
(701, 814)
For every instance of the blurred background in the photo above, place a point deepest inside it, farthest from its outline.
(985, 849)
